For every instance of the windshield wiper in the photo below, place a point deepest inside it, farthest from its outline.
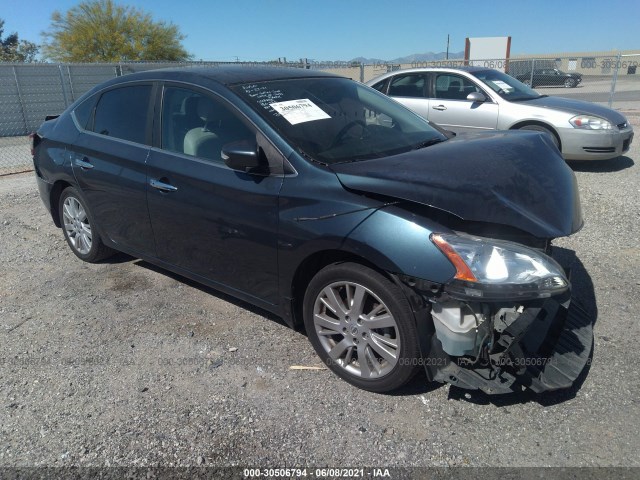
(309, 157)
(428, 143)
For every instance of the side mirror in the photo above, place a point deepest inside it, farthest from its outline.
(476, 97)
(244, 157)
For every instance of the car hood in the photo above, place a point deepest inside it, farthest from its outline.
(576, 106)
(511, 178)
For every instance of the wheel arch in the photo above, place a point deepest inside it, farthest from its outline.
(54, 198)
(311, 265)
(549, 127)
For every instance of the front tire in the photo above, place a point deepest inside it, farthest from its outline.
(79, 227)
(361, 325)
(570, 83)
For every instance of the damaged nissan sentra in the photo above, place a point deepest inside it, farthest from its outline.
(397, 245)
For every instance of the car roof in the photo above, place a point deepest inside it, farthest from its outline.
(466, 68)
(227, 74)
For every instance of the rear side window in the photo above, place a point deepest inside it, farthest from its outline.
(381, 86)
(83, 112)
(124, 113)
(411, 85)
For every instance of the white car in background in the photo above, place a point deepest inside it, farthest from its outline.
(474, 98)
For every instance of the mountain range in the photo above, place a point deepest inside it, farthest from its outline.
(416, 57)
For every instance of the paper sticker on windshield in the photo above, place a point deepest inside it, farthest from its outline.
(299, 111)
(504, 86)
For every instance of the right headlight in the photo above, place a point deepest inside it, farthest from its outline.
(499, 269)
(589, 122)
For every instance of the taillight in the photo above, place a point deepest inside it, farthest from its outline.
(35, 140)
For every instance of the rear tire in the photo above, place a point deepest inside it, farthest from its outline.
(361, 325)
(79, 227)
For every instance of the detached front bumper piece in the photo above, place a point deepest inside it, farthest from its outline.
(545, 350)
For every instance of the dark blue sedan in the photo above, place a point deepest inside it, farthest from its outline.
(397, 245)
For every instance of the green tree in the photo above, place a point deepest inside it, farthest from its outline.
(102, 31)
(12, 49)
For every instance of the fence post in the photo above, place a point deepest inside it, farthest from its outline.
(533, 66)
(20, 100)
(64, 90)
(612, 93)
(361, 72)
(73, 94)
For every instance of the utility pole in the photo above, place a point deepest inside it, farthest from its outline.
(447, 47)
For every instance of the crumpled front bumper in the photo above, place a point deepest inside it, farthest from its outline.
(548, 353)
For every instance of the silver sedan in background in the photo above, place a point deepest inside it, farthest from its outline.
(473, 98)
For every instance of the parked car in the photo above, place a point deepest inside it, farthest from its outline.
(323, 201)
(550, 77)
(474, 98)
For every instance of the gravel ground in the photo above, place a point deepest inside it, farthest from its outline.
(121, 364)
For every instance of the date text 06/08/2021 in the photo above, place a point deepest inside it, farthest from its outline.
(326, 472)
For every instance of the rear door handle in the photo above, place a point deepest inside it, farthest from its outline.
(84, 163)
(439, 107)
(162, 186)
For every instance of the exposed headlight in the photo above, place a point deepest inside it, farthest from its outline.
(590, 123)
(499, 269)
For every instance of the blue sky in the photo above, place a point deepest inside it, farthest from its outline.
(254, 30)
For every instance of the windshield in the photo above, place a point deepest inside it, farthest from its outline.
(335, 120)
(506, 86)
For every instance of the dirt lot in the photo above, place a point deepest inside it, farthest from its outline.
(123, 364)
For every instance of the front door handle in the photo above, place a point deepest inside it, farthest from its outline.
(162, 186)
(439, 107)
(84, 163)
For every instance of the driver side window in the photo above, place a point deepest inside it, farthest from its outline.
(199, 125)
(454, 87)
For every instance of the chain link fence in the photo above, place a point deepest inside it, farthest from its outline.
(29, 92)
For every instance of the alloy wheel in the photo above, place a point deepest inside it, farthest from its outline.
(76, 225)
(356, 329)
